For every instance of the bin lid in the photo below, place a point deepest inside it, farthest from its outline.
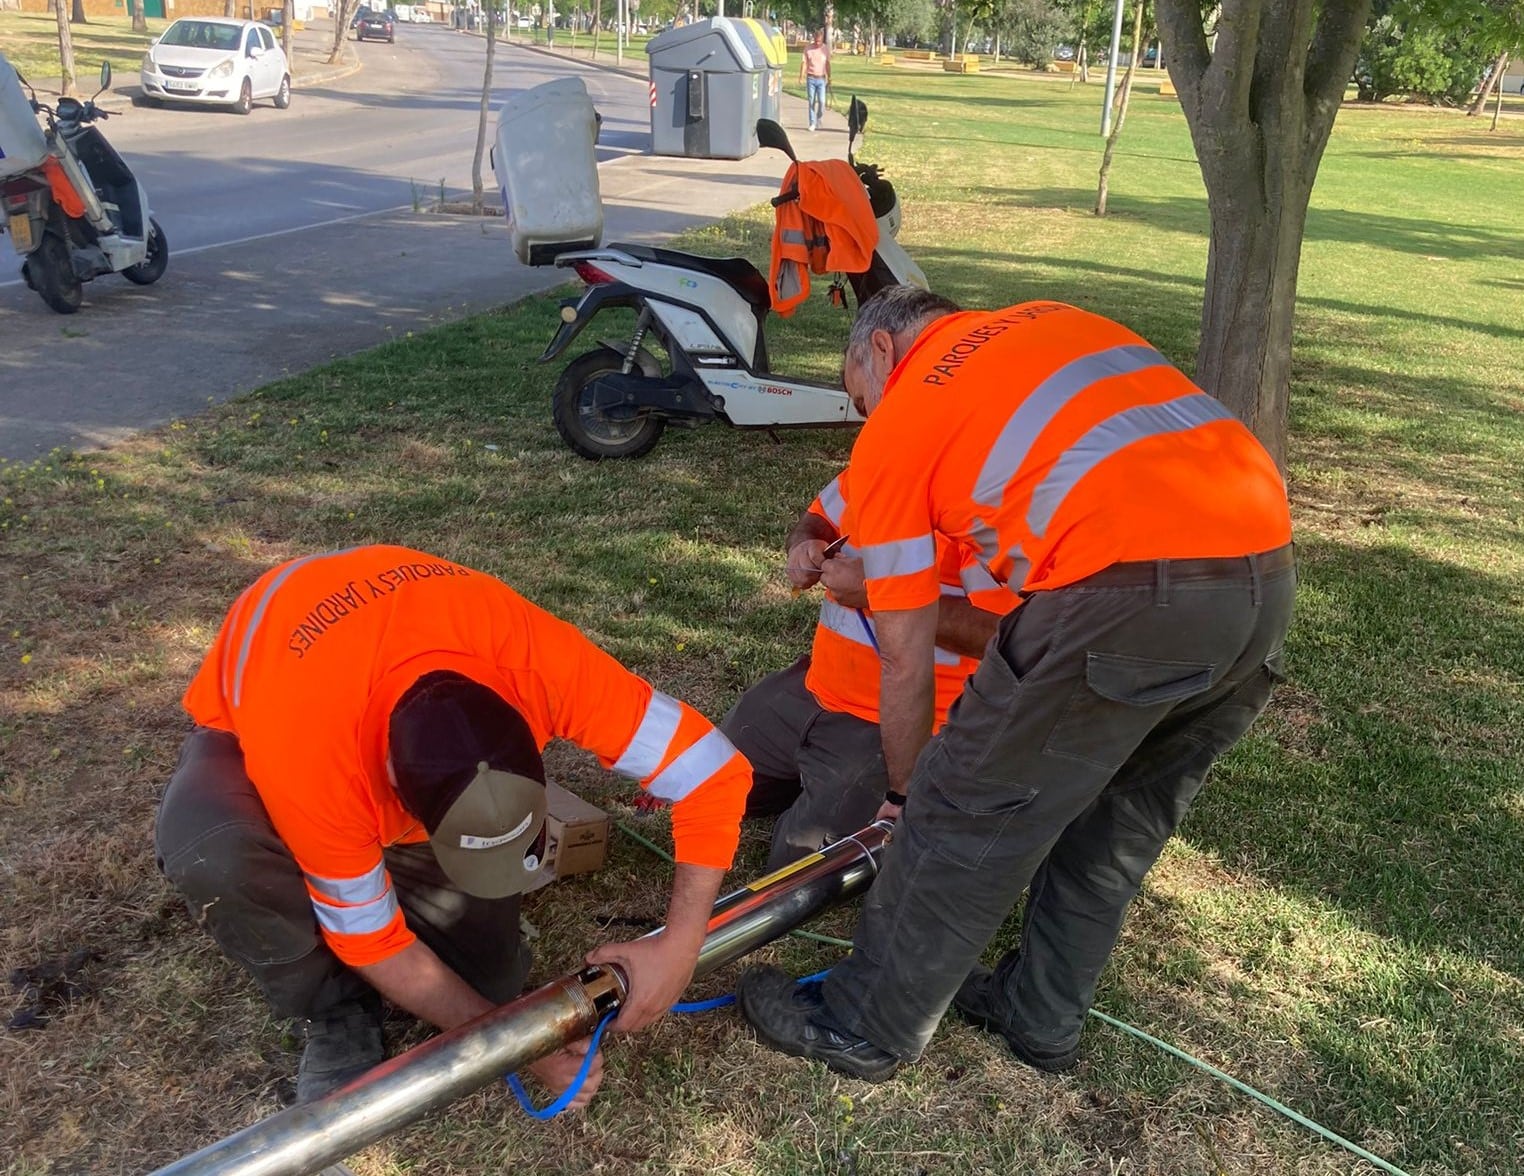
(715, 45)
(771, 48)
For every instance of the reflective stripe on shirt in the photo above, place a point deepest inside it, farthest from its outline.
(1036, 412)
(364, 919)
(693, 767)
(832, 502)
(364, 888)
(259, 615)
(652, 738)
(856, 626)
(902, 557)
(1110, 437)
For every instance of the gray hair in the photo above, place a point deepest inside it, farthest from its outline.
(895, 309)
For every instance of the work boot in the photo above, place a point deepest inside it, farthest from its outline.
(341, 1044)
(791, 1017)
(977, 1000)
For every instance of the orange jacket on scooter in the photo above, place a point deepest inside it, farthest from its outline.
(829, 228)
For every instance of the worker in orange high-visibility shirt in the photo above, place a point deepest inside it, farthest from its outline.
(1147, 534)
(811, 730)
(363, 800)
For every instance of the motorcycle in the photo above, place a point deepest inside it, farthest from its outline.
(709, 316)
(72, 206)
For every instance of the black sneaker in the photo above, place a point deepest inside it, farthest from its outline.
(976, 1001)
(787, 1016)
(341, 1044)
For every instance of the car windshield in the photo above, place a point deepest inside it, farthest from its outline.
(202, 34)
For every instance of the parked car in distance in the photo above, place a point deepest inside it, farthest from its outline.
(216, 61)
(377, 26)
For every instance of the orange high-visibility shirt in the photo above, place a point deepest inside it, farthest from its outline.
(845, 669)
(312, 658)
(1054, 443)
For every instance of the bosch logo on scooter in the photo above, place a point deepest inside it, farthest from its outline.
(775, 390)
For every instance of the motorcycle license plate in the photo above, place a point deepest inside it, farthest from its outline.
(21, 232)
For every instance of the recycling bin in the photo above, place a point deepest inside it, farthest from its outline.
(706, 90)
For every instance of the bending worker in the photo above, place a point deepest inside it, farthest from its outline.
(363, 800)
(811, 730)
(1148, 535)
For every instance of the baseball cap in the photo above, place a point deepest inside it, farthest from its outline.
(467, 765)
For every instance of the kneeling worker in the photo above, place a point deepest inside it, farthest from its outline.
(363, 800)
(811, 730)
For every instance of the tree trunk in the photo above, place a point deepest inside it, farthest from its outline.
(342, 14)
(1081, 66)
(1116, 126)
(1260, 102)
(139, 16)
(287, 19)
(1498, 109)
(230, 8)
(77, 14)
(481, 125)
(1494, 75)
(65, 49)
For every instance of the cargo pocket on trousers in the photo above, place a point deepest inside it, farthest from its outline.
(1118, 702)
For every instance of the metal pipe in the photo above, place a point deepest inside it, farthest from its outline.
(304, 1139)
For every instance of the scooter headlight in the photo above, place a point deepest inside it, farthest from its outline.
(221, 70)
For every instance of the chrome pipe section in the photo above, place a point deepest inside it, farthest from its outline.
(303, 1140)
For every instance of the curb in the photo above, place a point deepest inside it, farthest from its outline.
(610, 66)
(322, 77)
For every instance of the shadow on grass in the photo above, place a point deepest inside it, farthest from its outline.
(1395, 795)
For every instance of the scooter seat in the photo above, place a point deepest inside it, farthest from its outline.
(736, 272)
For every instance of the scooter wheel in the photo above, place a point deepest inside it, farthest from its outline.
(151, 268)
(50, 272)
(581, 420)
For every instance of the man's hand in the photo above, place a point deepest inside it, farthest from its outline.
(888, 811)
(658, 969)
(843, 578)
(805, 560)
(557, 1071)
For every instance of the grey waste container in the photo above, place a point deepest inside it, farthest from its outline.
(706, 91)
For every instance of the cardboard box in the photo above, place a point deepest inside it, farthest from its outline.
(576, 833)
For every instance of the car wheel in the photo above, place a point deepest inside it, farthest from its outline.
(151, 268)
(245, 101)
(577, 408)
(283, 95)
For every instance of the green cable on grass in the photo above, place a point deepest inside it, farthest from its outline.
(1241, 1087)
(1245, 1088)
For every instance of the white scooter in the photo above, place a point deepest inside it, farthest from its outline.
(708, 314)
(106, 228)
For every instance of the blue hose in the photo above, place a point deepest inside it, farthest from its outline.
(571, 1092)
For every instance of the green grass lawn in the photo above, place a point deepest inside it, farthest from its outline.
(1340, 922)
(29, 41)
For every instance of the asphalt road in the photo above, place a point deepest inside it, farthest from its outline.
(295, 236)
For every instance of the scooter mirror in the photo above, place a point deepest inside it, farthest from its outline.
(770, 134)
(105, 76)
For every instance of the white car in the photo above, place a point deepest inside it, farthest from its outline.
(216, 61)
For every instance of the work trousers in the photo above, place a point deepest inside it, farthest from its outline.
(216, 845)
(815, 99)
(822, 770)
(1068, 761)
